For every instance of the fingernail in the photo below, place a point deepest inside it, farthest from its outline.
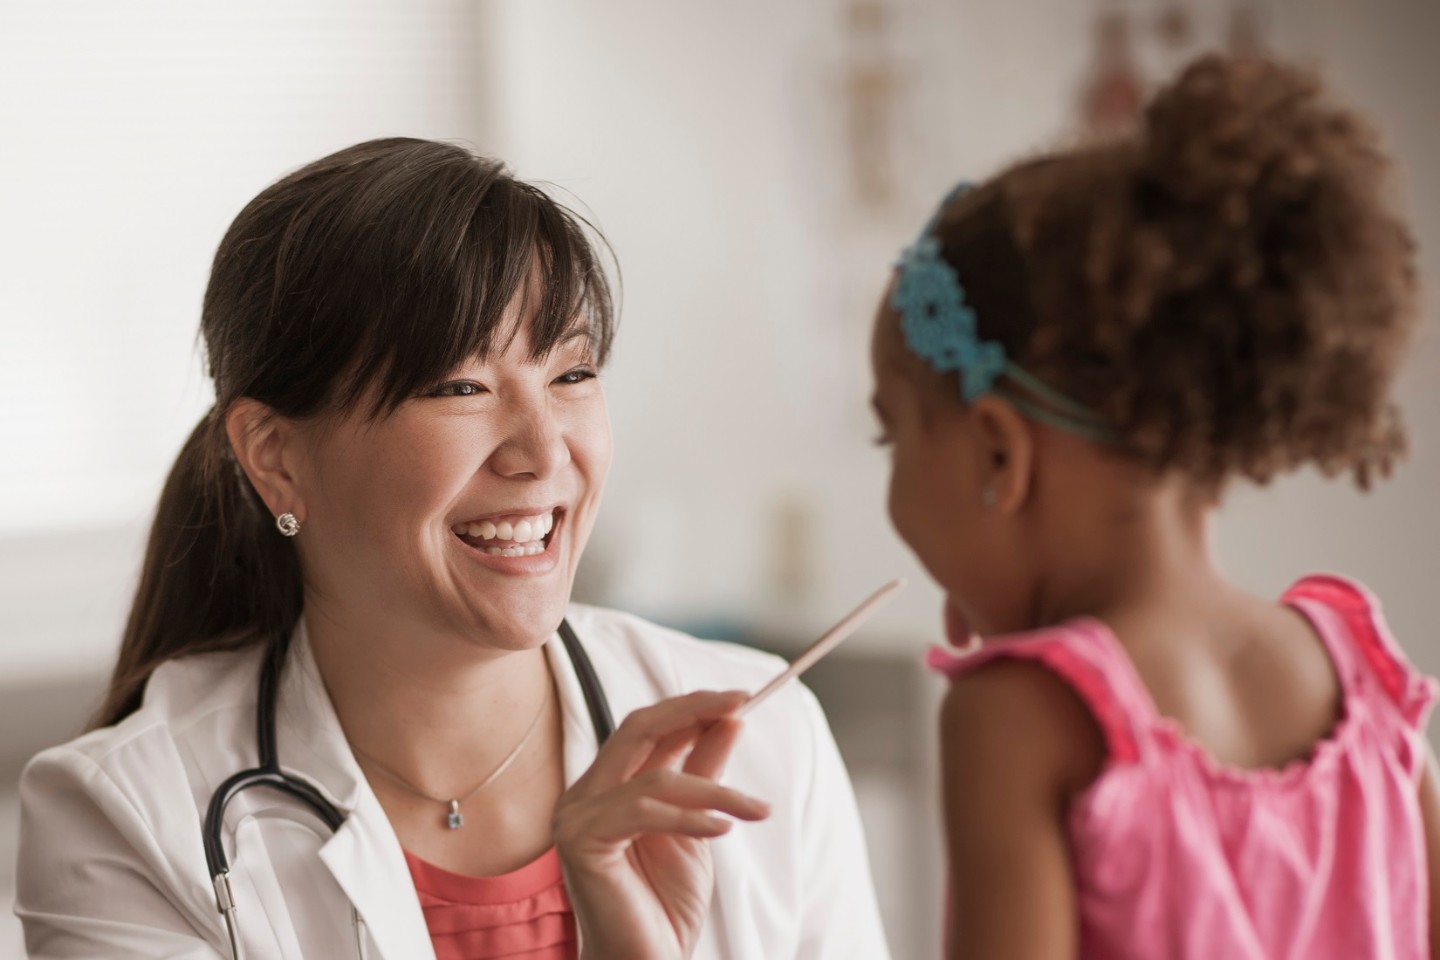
(733, 699)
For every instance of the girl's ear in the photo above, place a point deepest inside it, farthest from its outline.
(266, 447)
(1007, 453)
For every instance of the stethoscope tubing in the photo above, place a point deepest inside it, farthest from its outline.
(268, 774)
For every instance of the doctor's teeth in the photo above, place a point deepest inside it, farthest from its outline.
(525, 550)
(523, 531)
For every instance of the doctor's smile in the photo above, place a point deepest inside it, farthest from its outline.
(518, 542)
(510, 534)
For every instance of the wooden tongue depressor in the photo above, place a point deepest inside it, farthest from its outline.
(825, 644)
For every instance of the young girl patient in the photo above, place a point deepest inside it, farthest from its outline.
(1076, 358)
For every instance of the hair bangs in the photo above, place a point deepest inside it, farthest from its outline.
(458, 278)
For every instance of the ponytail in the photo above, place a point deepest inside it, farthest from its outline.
(216, 575)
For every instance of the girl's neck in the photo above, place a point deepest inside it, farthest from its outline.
(1126, 555)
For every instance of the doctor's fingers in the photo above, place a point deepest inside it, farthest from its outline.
(661, 801)
(668, 727)
(701, 749)
(712, 751)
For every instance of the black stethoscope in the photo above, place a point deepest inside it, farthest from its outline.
(269, 774)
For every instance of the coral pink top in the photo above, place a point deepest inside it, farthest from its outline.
(522, 915)
(1177, 856)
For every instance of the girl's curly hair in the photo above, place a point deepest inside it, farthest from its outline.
(1230, 287)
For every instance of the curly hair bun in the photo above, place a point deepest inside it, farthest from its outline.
(1232, 287)
(1286, 249)
(1232, 128)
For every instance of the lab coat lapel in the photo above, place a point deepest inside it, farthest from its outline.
(580, 743)
(364, 855)
(366, 860)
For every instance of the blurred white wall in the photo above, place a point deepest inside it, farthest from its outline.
(130, 135)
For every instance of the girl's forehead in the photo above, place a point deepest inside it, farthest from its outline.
(902, 377)
(889, 352)
(885, 342)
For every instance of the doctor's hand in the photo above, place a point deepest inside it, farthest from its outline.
(633, 833)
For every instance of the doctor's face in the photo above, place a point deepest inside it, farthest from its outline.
(463, 513)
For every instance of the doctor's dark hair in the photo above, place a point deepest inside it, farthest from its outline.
(1230, 287)
(363, 277)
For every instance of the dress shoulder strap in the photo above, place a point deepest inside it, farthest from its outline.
(1369, 661)
(1086, 656)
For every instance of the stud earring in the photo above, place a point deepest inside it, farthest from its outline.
(989, 498)
(287, 524)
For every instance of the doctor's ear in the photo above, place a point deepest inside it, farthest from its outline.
(267, 447)
(1007, 453)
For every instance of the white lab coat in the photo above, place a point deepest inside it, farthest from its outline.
(112, 865)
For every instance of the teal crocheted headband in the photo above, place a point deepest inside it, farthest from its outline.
(940, 327)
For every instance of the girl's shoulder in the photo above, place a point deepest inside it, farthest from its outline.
(1023, 719)
(1080, 659)
(1372, 665)
(1380, 687)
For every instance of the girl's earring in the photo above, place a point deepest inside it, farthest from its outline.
(989, 498)
(287, 524)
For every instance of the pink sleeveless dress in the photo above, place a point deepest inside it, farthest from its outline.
(1177, 856)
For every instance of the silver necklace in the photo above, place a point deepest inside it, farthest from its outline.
(454, 820)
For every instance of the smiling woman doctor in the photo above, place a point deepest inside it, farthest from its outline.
(347, 712)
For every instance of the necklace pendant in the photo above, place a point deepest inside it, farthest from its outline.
(454, 819)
